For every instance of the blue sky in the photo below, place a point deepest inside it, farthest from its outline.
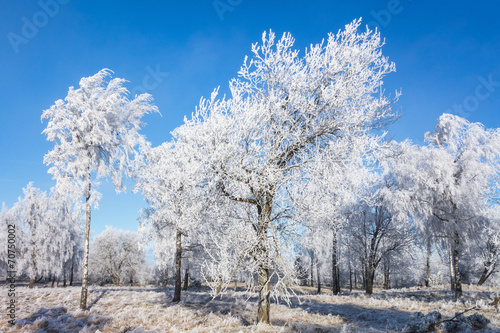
(446, 54)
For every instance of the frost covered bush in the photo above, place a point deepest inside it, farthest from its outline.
(433, 322)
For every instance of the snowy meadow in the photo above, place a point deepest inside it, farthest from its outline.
(150, 309)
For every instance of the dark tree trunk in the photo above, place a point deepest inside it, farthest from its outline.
(428, 262)
(318, 275)
(64, 276)
(369, 281)
(72, 270)
(32, 282)
(387, 274)
(370, 270)
(370, 273)
(456, 265)
(186, 279)
(335, 266)
(312, 268)
(178, 262)
(490, 264)
(85, 269)
(486, 274)
(350, 276)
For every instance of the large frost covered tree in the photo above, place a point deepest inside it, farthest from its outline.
(283, 109)
(95, 131)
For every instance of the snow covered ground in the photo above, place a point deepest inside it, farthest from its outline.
(149, 309)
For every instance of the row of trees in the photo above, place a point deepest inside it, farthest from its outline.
(437, 203)
(48, 244)
(47, 236)
(293, 162)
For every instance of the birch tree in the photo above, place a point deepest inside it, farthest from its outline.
(95, 131)
(283, 109)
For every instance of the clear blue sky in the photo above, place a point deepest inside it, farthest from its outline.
(445, 53)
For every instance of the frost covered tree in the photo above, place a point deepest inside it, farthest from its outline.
(168, 181)
(48, 234)
(95, 131)
(376, 237)
(283, 109)
(67, 244)
(483, 247)
(451, 181)
(118, 255)
(322, 203)
(7, 220)
(35, 233)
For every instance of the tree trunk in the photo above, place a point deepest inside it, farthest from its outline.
(312, 268)
(350, 275)
(264, 305)
(85, 268)
(263, 311)
(116, 280)
(452, 274)
(456, 266)
(219, 286)
(32, 282)
(335, 266)
(318, 275)
(387, 274)
(64, 276)
(186, 279)
(486, 274)
(370, 275)
(72, 269)
(178, 262)
(369, 281)
(428, 262)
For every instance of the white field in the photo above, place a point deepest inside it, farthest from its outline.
(149, 309)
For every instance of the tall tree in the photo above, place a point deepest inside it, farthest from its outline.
(95, 131)
(283, 109)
